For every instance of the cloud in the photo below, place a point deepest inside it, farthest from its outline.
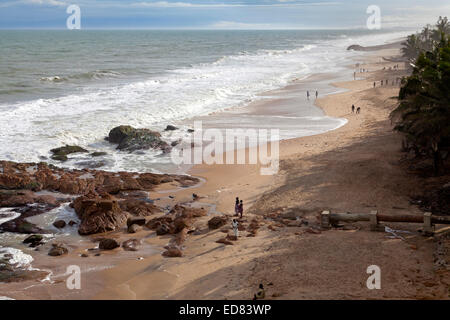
(415, 16)
(278, 3)
(53, 3)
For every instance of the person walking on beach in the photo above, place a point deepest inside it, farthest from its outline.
(358, 110)
(374, 84)
(317, 94)
(353, 108)
(307, 94)
(236, 207)
(381, 82)
(241, 208)
(235, 225)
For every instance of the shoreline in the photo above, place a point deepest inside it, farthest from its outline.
(328, 170)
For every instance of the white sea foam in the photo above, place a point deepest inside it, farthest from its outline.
(29, 129)
(16, 257)
(7, 214)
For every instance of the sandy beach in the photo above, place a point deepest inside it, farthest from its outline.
(355, 168)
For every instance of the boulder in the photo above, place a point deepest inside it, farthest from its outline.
(225, 241)
(117, 134)
(170, 128)
(98, 213)
(62, 152)
(217, 222)
(154, 223)
(135, 220)
(162, 229)
(98, 154)
(59, 224)
(131, 245)
(57, 250)
(34, 240)
(355, 47)
(172, 252)
(133, 228)
(139, 208)
(131, 139)
(108, 244)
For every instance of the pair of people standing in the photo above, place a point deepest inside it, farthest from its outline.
(238, 210)
(307, 94)
(238, 207)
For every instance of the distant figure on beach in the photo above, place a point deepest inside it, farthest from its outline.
(307, 95)
(353, 108)
(358, 110)
(235, 225)
(374, 84)
(317, 94)
(241, 208)
(261, 294)
(381, 82)
(236, 207)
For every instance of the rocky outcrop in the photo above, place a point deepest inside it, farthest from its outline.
(131, 139)
(162, 229)
(139, 208)
(170, 127)
(58, 249)
(41, 176)
(179, 218)
(98, 209)
(62, 152)
(217, 222)
(98, 213)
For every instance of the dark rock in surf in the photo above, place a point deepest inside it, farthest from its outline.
(59, 224)
(170, 128)
(62, 152)
(131, 139)
(58, 250)
(34, 240)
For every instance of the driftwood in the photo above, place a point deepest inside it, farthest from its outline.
(354, 217)
(428, 220)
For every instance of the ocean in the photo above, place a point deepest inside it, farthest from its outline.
(72, 87)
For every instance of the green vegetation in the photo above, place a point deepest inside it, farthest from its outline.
(427, 40)
(423, 113)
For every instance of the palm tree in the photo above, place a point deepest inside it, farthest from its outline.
(442, 27)
(423, 113)
(411, 48)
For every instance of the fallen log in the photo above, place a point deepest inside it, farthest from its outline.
(355, 217)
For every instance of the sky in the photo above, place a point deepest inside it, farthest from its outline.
(219, 14)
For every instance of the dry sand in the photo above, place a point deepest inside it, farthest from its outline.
(355, 168)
